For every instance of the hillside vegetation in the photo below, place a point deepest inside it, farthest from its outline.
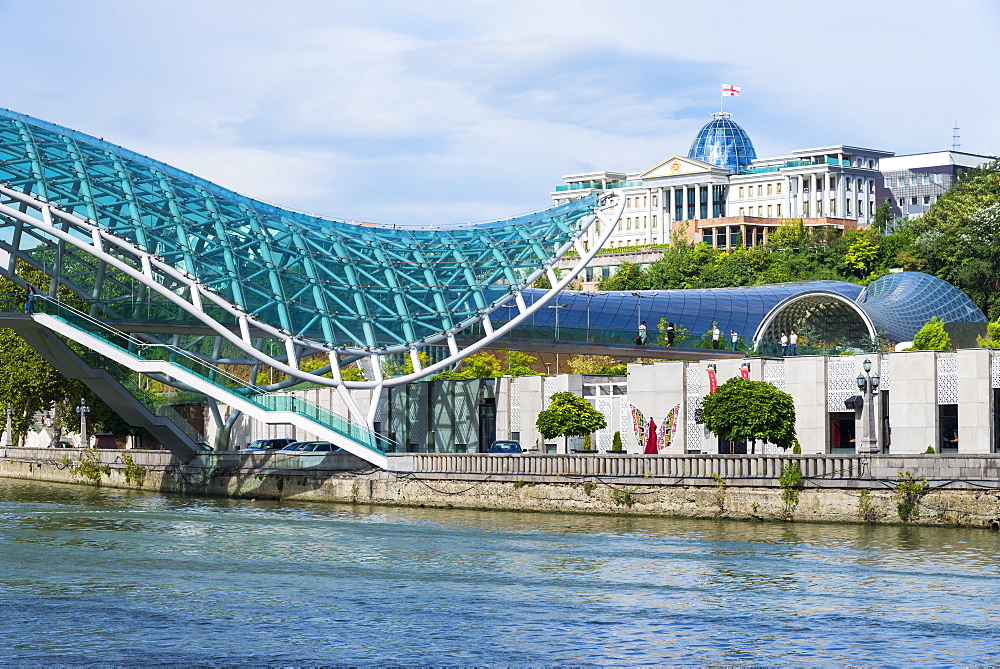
(958, 240)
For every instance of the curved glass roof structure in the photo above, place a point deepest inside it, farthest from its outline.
(724, 143)
(900, 303)
(741, 309)
(346, 285)
(894, 306)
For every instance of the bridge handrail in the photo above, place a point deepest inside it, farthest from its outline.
(248, 391)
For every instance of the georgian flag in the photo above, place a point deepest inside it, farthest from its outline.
(729, 90)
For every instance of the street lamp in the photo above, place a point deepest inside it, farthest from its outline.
(557, 307)
(590, 296)
(638, 302)
(868, 385)
(83, 410)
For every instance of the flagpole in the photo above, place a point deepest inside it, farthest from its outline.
(722, 99)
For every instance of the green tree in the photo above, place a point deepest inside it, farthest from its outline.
(570, 416)
(628, 277)
(594, 364)
(478, 366)
(741, 410)
(883, 216)
(519, 364)
(992, 338)
(932, 336)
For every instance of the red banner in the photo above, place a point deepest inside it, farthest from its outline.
(745, 372)
(712, 381)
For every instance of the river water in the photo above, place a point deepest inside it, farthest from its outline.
(101, 576)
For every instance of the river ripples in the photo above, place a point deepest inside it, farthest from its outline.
(100, 576)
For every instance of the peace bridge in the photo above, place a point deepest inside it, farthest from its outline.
(155, 271)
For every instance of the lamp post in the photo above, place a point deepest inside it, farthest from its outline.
(638, 307)
(868, 385)
(590, 296)
(557, 307)
(83, 410)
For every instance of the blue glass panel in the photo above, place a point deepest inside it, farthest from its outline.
(350, 285)
(724, 143)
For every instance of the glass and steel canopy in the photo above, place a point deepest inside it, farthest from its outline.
(347, 285)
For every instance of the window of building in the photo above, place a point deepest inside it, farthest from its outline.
(938, 178)
(741, 211)
(833, 207)
(620, 222)
(760, 189)
(628, 223)
(848, 207)
(948, 425)
(871, 185)
(913, 200)
(861, 208)
(925, 179)
(871, 207)
(913, 181)
(805, 209)
(779, 206)
(654, 217)
(628, 203)
(888, 182)
(760, 211)
(741, 191)
(769, 214)
(778, 187)
(769, 187)
(643, 222)
(927, 199)
(819, 207)
(654, 200)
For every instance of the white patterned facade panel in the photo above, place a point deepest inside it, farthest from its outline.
(840, 383)
(515, 405)
(627, 424)
(947, 380)
(774, 373)
(605, 435)
(548, 390)
(995, 371)
(694, 432)
(883, 371)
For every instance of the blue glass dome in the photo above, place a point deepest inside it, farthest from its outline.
(724, 143)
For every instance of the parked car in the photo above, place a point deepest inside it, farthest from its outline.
(506, 447)
(295, 446)
(264, 445)
(320, 447)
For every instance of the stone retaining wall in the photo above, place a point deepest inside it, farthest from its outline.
(585, 494)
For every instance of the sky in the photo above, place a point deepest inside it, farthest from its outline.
(423, 112)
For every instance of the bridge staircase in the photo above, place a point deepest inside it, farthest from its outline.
(120, 349)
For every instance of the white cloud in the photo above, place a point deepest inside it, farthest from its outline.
(420, 111)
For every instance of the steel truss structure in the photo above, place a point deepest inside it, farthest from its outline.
(178, 260)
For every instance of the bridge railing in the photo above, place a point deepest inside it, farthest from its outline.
(214, 375)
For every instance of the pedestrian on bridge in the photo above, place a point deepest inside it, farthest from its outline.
(29, 299)
(735, 336)
(643, 333)
(671, 330)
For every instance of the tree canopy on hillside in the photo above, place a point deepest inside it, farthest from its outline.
(957, 239)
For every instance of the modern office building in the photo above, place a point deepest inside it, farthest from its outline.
(913, 183)
(722, 194)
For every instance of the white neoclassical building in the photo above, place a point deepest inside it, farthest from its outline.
(721, 193)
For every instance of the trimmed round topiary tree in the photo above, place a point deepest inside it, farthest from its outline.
(741, 410)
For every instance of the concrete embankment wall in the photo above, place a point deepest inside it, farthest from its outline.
(345, 479)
